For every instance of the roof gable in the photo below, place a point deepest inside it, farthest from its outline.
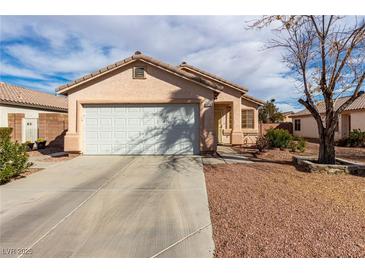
(146, 59)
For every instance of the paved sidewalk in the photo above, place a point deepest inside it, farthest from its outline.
(225, 155)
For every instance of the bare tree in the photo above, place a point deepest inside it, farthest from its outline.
(326, 55)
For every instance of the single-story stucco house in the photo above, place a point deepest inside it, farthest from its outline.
(141, 105)
(353, 117)
(287, 116)
(31, 113)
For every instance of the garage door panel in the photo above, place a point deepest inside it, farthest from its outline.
(91, 148)
(105, 149)
(141, 129)
(120, 149)
(105, 111)
(92, 136)
(118, 110)
(106, 136)
(120, 137)
(119, 123)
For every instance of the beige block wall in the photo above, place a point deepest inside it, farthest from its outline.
(309, 128)
(358, 120)
(158, 87)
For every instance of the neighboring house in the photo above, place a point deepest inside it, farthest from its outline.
(287, 116)
(32, 114)
(143, 106)
(353, 117)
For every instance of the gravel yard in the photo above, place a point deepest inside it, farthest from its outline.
(270, 209)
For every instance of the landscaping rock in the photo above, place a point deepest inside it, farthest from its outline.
(308, 163)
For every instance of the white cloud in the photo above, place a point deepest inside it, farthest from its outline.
(80, 44)
(288, 107)
(11, 70)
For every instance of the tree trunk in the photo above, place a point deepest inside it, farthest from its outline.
(327, 153)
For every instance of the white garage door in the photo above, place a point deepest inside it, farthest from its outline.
(141, 129)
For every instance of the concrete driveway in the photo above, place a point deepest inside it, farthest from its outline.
(108, 206)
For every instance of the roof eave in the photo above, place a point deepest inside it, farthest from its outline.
(253, 100)
(243, 90)
(105, 70)
(10, 103)
(96, 74)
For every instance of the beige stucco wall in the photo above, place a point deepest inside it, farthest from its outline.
(232, 97)
(159, 87)
(250, 135)
(309, 128)
(287, 119)
(28, 113)
(358, 120)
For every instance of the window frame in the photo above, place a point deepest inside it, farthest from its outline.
(248, 122)
(297, 127)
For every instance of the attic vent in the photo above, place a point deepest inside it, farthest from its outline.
(138, 73)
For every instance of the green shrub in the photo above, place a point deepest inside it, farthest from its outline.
(5, 133)
(279, 138)
(356, 139)
(13, 157)
(262, 143)
(297, 144)
(40, 140)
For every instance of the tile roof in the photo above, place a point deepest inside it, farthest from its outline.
(16, 95)
(253, 99)
(358, 104)
(139, 56)
(286, 113)
(215, 77)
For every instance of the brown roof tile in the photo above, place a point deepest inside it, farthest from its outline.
(16, 95)
(215, 77)
(253, 99)
(359, 103)
(147, 59)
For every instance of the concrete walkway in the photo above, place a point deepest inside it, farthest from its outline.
(226, 155)
(108, 206)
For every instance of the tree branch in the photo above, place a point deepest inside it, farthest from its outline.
(354, 96)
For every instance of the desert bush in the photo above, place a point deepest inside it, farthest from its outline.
(297, 144)
(5, 133)
(262, 143)
(279, 138)
(356, 139)
(13, 157)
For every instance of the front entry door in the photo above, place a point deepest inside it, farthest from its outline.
(218, 115)
(30, 129)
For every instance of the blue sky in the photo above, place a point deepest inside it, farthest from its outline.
(43, 52)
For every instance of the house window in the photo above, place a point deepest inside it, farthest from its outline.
(248, 118)
(138, 73)
(297, 124)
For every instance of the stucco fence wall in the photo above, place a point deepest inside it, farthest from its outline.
(15, 122)
(263, 128)
(51, 126)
